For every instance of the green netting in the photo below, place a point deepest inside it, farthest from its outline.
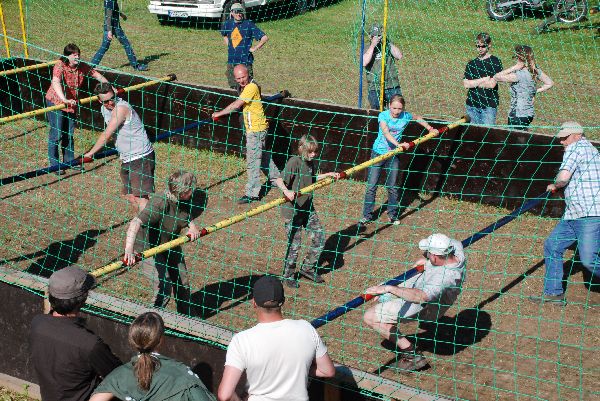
(491, 344)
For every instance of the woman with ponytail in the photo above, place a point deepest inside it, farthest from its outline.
(522, 78)
(149, 375)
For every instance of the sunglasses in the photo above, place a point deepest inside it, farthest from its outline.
(107, 100)
(481, 46)
(237, 12)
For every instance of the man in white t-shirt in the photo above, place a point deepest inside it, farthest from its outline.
(424, 297)
(277, 354)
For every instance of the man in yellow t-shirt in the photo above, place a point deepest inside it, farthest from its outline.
(255, 123)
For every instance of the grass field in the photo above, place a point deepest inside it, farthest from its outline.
(315, 55)
(492, 344)
(9, 395)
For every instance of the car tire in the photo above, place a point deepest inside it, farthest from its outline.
(575, 11)
(163, 19)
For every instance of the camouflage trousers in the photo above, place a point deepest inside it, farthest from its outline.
(308, 221)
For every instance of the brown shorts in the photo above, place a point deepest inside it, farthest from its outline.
(231, 79)
(137, 176)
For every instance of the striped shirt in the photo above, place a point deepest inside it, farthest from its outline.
(582, 194)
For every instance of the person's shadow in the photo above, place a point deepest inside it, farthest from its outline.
(147, 59)
(61, 254)
(574, 266)
(451, 335)
(207, 301)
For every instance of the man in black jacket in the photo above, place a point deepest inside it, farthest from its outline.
(69, 360)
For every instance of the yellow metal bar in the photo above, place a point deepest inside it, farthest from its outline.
(274, 203)
(22, 16)
(383, 56)
(86, 100)
(28, 68)
(5, 35)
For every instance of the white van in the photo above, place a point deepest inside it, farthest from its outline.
(173, 10)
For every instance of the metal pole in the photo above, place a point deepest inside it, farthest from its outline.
(270, 205)
(5, 35)
(383, 55)
(22, 16)
(28, 68)
(90, 99)
(362, 51)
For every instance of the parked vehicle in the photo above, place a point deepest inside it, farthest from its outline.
(567, 11)
(173, 10)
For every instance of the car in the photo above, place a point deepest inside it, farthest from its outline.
(180, 10)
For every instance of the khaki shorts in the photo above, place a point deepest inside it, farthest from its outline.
(137, 176)
(398, 310)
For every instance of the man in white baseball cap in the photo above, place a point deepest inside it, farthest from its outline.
(579, 174)
(424, 297)
(238, 34)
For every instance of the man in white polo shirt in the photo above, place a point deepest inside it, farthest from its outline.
(277, 354)
(424, 297)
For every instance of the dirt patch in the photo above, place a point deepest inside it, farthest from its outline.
(492, 344)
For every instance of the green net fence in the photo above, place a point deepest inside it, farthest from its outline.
(492, 343)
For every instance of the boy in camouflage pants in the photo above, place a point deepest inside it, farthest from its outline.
(299, 214)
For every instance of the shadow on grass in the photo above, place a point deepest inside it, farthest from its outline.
(147, 59)
(226, 179)
(332, 257)
(59, 178)
(61, 254)
(207, 301)
(23, 133)
(562, 27)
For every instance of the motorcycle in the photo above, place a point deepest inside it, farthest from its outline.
(567, 11)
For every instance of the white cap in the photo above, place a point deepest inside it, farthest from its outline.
(437, 244)
(568, 128)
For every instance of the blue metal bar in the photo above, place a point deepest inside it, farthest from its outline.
(356, 302)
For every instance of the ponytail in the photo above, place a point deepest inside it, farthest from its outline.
(145, 335)
(144, 369)
(525, 54)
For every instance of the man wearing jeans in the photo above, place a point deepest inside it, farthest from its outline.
(255, 123)
(579, 173)
(112, 28)
(482, 95)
